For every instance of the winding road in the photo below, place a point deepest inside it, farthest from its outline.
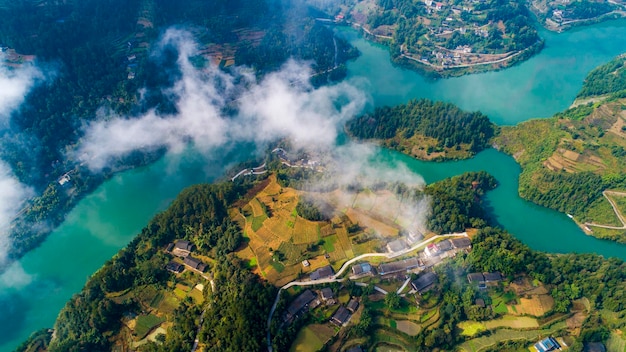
(615, 209)
(344, 267)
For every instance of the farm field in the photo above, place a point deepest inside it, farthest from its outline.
(278, 239)
(501, 335)
(312, 338)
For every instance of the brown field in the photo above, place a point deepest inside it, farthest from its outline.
(326, 230)
(387, 205)
(344, 242)
(305, 231)
(363, 219)
(365, 200)
(277, 226)
(245, 254)
(537, 305)
(408, 327)
(514, 322)
(257, 210)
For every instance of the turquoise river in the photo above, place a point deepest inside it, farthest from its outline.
(33, 290)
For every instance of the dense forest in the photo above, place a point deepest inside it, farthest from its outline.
(607, 78)
(234, 316)
(198, 214)
(99, 57)
(449, 126)
(456, 202)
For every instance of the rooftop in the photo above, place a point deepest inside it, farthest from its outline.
(353, 305)
(490, 277)
(301, 301)
(547, 344)
(402, 265)
(475, 277)
(322, 273)
(327, 293)
(341, 316)
(423, 282)
(396, 246)
(461, 242)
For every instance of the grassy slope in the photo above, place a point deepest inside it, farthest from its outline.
(583, 140)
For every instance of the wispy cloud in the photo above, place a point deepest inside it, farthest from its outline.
(282, 104)
(12, 196)
(15, 84)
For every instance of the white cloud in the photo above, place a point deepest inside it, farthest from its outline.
(283, 104)
(12, 196)
(14, 85)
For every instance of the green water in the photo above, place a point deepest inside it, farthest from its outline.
(539, 87)
(33, 290)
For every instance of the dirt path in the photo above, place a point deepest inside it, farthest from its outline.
(615, 209)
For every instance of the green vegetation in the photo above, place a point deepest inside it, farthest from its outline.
(242, 300)
(313, 210)
(450, 37)
(145, 323)
(570, 159)
(426, 129)
(456, 203)
(559, 15)
(89, 44)
(605, 79)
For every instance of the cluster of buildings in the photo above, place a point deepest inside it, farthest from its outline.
(302, 163)
(483, 279)
(310, 299)
(182, 249)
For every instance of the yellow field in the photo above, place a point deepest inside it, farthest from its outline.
(257, 210)
(366, 220)
(271, 224)
(305, 231)
(537, 305)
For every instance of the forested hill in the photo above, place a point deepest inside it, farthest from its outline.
(133, 295)
(426, 129)
(99, 54)
(569, 160)
(605, 79)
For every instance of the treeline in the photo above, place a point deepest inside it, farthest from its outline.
(314, 209)
(198, 214)
(456, 202)
(602, 281)
(445, 122)
(563, 191)
(605, 79)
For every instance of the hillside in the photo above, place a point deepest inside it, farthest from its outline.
(152, 297)
(447, 38)
(561, 15)
(426, 130)
(570, 159)
(100, 60)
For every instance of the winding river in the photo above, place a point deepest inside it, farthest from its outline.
(33, 290)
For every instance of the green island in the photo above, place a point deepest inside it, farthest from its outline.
(265, 261)
(562, 15)
(447, 38)
(574, 162)
(426, 130)
(104, 58)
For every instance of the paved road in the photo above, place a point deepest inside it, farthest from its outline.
(346, 265)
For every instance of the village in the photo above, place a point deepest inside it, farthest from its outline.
(443, 35)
